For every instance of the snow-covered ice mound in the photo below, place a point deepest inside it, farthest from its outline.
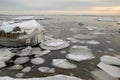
(111, 70)
(63, 63)
(110, 60)
(80, 53)
(54, 44)
(56, 77)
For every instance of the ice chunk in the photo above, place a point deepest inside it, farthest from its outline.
(63, 63)
(84, 36)
(16, 67)
(110, 60)
(111, 70)
(118, 22)
(56, 77)
(35, 51)
(37, 61)
(42, 53)
(118, 56)
(2, 64)
(101, 75)
(5, 54)
(46, 69)
(80, 53)
(73, 40)
(21, 60)
(26, 51)
(90, 28)
(54, 44)
(93, 42)
(108, 41)
(26, 69)
(110, 49)
(63, 52)
(19, 75)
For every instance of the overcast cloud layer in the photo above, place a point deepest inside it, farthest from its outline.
(60, 6)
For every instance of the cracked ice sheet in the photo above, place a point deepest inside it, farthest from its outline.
(56, 77)
(110, 60)
(80, 53)
(63, 63)
(111, 70)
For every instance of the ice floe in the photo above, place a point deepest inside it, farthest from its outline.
(73, 40)
(63, 63)
(110, 60)
(37, 61)
(16, 67)
(54, 44)
(93, 42)
(46, 69)
(26, 51)
(56, 77)
(21, 60)
(90, 28)
(101, 75)
(19, 75)
(26, 69)
(42, 53)
(2, 64)
(111, 70)
(84, 36)
(118, 22)
(80, 53)
(5, 54)
(110, 49)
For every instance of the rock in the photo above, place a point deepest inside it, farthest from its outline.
(37, 61)
(21, 60)
(63, 63)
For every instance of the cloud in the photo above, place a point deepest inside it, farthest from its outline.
(59, 5)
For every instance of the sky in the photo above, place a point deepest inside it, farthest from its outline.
(65, 7)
